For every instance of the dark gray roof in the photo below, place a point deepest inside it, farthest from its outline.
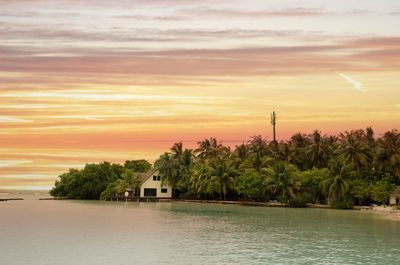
(145, 176)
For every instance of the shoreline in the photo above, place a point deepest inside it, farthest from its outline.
(11, 199)
(386, 212)
(239, 203)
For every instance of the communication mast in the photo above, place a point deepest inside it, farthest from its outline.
(273, 122)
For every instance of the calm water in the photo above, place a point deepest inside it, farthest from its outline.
(80, 232)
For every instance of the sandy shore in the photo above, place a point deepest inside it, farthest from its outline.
(387, 212)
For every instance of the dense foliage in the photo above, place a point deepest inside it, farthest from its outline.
(95, 180)
(351, 168)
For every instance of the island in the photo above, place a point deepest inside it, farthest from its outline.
(354, 168)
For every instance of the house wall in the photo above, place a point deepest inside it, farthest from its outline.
(150, 183)
(395, 196)
(393, 200)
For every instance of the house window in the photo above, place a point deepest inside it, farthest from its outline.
(154, 178)
(158, 178)
(164, 190)
(150, 192)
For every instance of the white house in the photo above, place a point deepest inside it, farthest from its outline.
(395, 197)
(151, 186)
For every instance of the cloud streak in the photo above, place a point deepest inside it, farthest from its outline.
(356, 85)
(283, 12)
(13, 163)
(359, 55)
(8, 119)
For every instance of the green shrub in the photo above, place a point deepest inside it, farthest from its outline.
(300, 200)
(341, 205)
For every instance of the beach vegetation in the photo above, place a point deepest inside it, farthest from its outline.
(352, 168)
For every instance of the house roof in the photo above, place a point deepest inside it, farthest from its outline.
(145, 176)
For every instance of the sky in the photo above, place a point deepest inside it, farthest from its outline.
(83, 81)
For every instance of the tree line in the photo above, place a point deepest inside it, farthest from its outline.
(352, 168)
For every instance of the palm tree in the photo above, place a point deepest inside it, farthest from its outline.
(116, 188)
(318, 152)
(110, 191)
(185, 169)
(202, 181)
(300, 140)
(187, 158)
(300, 143)
(177, 150)
(354, 151)
(241, 153)
(131, 181)
(285, 152)
(258, 145)
(282, 181)
(370, 136)
(169, 170)
(332, 142)
(196, 179)
(358, 134)
(183, 161)
(224, 171)
(210, 148)
(388, 153)
(256, 162)
(336, 187)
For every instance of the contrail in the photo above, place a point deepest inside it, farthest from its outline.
(357, 85)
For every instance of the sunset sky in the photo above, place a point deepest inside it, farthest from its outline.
(92, 80)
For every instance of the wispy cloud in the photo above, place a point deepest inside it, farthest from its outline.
(394, 13)
(8, 119)
(13, 163)
(356, 85)
(27, 106)
(83, 117)
(370, 54)
(78, 95)
(284, 12)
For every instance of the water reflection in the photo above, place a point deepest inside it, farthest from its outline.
(90, 232)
